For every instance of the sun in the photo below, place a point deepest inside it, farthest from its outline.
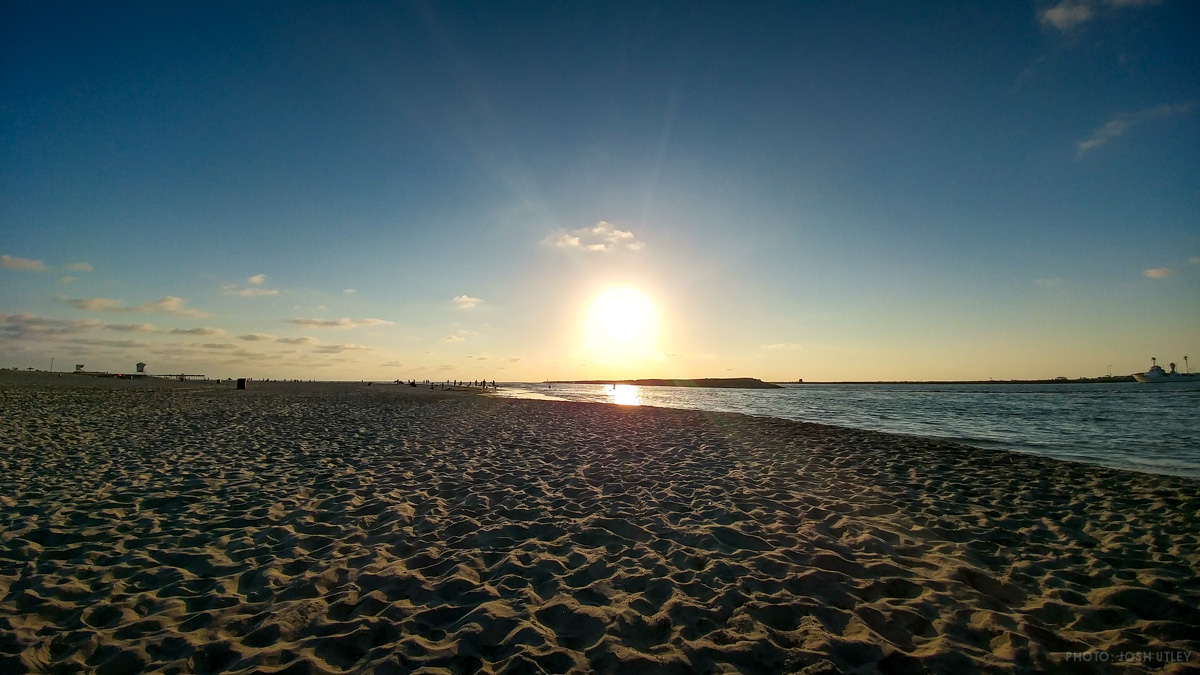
(622, 314)
(620, 330)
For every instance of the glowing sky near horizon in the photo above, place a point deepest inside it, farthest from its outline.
(825, 191)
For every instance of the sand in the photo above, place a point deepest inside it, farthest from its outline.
(341, 528)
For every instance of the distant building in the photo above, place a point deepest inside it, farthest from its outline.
(79, 367)
(141, 367)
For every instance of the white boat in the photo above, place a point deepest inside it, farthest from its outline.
(1157, 374)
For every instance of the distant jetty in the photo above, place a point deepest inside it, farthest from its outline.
(710, 382)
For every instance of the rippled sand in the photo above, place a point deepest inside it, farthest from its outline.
(329, 529)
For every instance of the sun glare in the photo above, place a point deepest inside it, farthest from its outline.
(621, 324)
(622, 313)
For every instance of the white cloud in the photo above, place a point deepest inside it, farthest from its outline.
(560, 239)
(339, 323)
(350, 291)
(453, 338)
(1122, 122)
(1066, 15)
(1158, 273)
(80, 267)
(466, 301)
(257, 280)
(1195, 260)
(600, 238)
(14, 263)
(784, 346)
(205, 330)
(256, 337)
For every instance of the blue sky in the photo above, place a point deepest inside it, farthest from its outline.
(437, 190)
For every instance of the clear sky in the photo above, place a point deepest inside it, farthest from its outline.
(434, 190)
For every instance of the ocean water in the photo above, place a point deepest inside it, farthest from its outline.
(1145, 427)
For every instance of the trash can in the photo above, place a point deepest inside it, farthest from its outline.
(241, 383)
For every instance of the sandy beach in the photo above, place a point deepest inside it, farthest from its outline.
(156, 526)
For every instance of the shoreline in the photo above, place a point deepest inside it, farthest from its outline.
(1022, 435)
(341, 528)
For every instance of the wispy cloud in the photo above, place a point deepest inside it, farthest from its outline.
(600, 238)
(98, 304)
(350, 291)
(1158, 273)
(253, 289)
(1195, 260)
(453, 338)
(1122, 122)
(466, 301)
(391, 364)
(338, 349)
(298, 340)
(1066, 15)
(249, 291)
(80, 267)
(68, 280)
(19, 326)
(15, 263)
(252, 292)
(114, 344)
(339, 323)
(205, 330)
(216, 346)
(168, 305)
(256, 337)
(131, 327)
(784, 346)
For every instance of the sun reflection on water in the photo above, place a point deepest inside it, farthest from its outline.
(624, 394)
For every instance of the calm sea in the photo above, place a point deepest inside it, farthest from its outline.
(1145, 427)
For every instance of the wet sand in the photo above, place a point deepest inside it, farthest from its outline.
(312, 528)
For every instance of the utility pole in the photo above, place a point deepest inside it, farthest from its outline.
(52, 364)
